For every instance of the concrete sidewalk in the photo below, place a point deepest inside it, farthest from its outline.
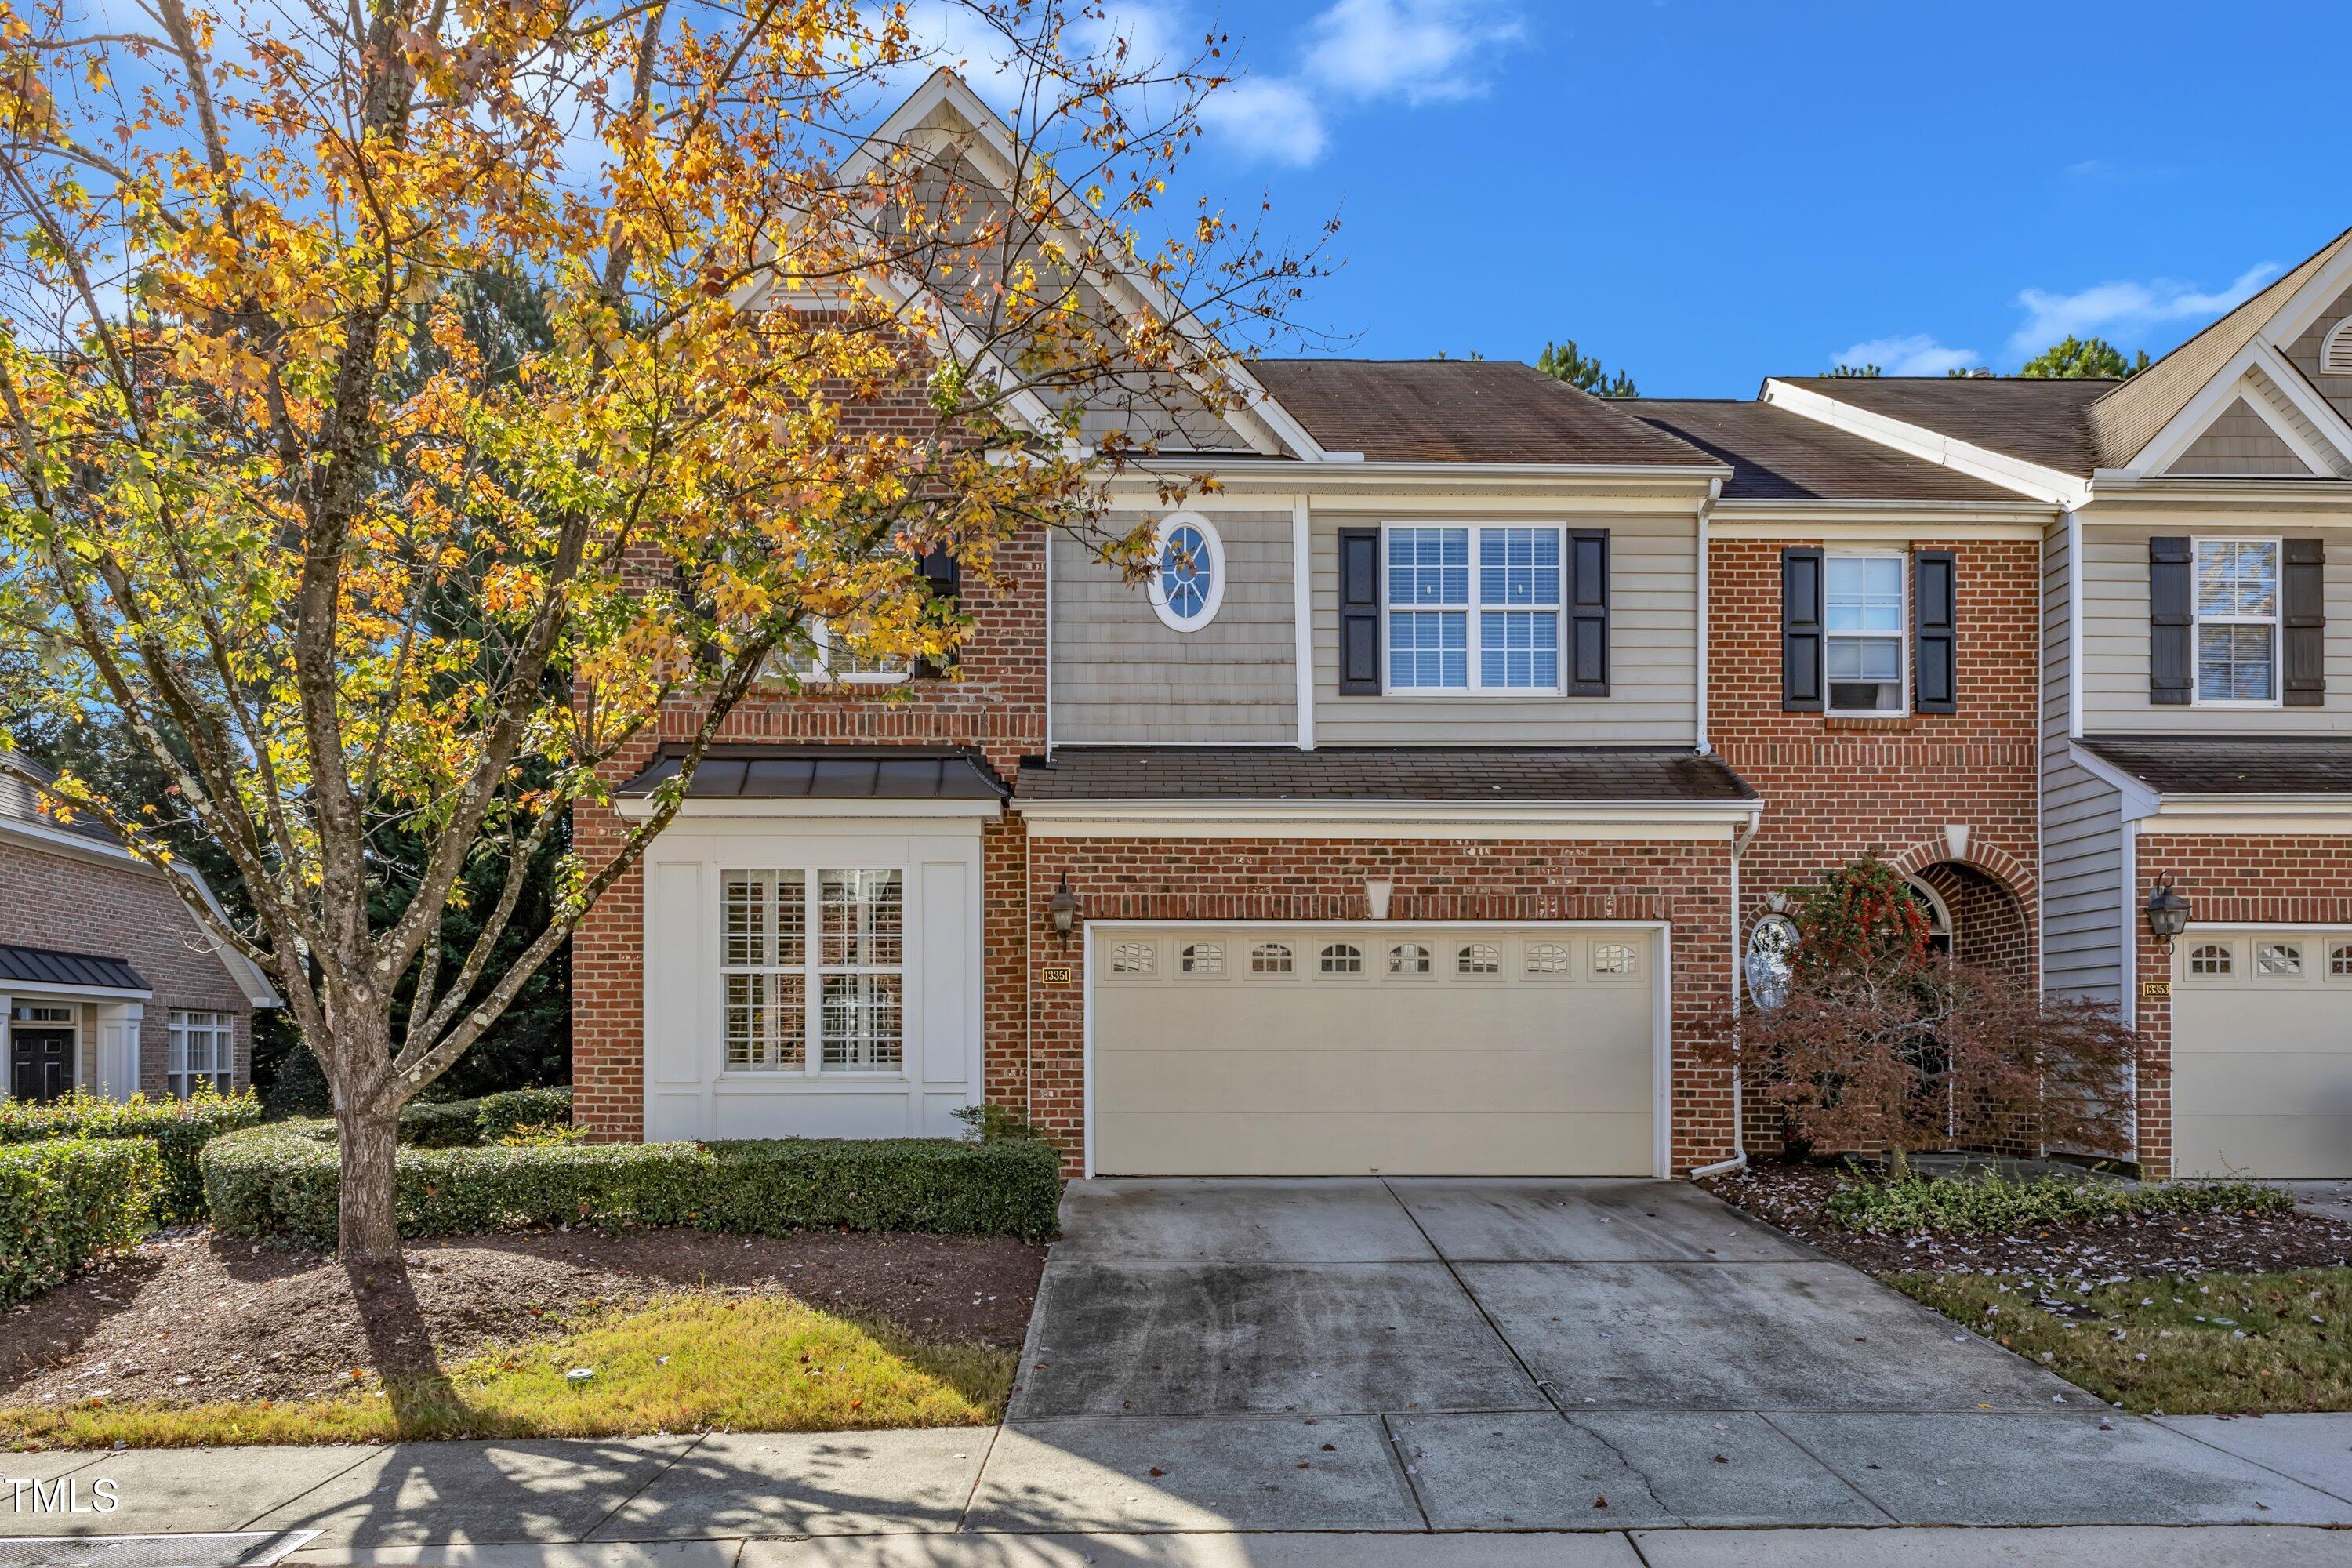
(984, 1496)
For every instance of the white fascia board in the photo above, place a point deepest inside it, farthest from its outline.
(2259, 814)
(2319, 291)
(2139, 799)
(2229, 383)
(2327, 499)
(1994, 467)
(807, 809)
(1964, 521)
(1335, 474)
(1379, 819)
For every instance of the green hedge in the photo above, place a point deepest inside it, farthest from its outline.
(282, 1179)
(178, 1128)
(1966, 1206)
(63, 1201)
(470, 1124)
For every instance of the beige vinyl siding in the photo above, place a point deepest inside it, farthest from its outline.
(1121, 675)
(2115, 636)
(2290, 418)
(2305, 354)
(2082, 885)
(1653, 661)
(2240, 442)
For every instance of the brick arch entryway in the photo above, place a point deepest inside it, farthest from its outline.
(1990, 926)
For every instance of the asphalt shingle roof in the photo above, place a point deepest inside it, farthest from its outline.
(1462, 411)
(2043, 421)
(1513, 775)
(2230, 764)
(828, 772)
(1777, 454)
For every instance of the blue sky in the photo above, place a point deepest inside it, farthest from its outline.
(1708, 193)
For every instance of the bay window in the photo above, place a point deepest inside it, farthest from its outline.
(200, 1050)
(770, 968)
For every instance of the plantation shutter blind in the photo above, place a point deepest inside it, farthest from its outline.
(2171, 666)
(1360, 611)
(1587, 612)
(1935, 655)
(2303, 624)
(1803, 686)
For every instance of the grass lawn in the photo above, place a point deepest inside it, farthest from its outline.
(2184, 1345)
(684, 1363)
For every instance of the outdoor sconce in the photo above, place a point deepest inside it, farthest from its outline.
(2167, 914)
(1065, 909)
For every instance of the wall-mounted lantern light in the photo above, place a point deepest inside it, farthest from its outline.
(1065, 909)
(2167, 914)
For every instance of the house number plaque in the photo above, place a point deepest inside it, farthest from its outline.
(1056, 974)
(2155, 989)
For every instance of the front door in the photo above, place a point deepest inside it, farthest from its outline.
(40, 1061)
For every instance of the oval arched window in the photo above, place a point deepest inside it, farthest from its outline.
(1188, 575)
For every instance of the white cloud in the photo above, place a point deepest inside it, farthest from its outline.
(1915, 354)
(2105, 309)
(1267, 117)
(1423, 51)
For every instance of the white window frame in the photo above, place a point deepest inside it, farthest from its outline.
(1213, 547)
(819, 670)
(814, 971)
(1901, 635)
(1473, 614)
(180, 1080)
(2199, 620)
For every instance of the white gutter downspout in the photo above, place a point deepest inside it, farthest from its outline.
(1705, 509)
(1738, 1160)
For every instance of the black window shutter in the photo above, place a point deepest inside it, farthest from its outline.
(1935, 649)
(1360, 611)
(1587, 612)
(2171, 670)
(1802, 662)
(2303, 605)
(944, 575)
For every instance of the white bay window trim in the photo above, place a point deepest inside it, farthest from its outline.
(201, 1049)
(1529, 590)
(2237, 620)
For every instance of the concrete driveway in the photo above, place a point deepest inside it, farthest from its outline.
(1516, 1355)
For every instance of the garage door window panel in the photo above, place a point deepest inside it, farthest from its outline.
(1617, 961)
(1551, 961)
(1202, 961)
(1129, 960)
(1272, 961)
(1409, 961)
(2339, 961)
(2210, 960)
(1340, 961)
(1477, 961)
(2278, 961)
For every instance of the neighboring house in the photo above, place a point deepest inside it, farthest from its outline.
(1416, 817)
(106, 983)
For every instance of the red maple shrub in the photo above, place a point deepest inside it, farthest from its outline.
(1885, 1042)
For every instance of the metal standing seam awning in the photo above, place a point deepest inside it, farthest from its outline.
(44, 968)
(829, 772)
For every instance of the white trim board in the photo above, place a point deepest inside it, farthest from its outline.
(1981, 462)
(2234, 380)
(1661, 968)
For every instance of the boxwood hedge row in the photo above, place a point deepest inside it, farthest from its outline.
(282, 1180)
(63, 1201)
(177, 1128)
(469, 1123)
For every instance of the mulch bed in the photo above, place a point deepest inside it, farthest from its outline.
(1789, 1198)
(190, 1316)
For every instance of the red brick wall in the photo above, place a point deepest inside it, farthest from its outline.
(1684, 883)
(2229, 879)
(994, 703)
(120, 911)
(1837, 788)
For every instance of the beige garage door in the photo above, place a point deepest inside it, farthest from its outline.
(1272, 1050)
(2262, 1053)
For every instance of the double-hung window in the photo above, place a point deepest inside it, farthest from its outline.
(202, 1050)
(2237, 620)
(1862, 602)
(1474, 609)
(855, 969)
(829, 657)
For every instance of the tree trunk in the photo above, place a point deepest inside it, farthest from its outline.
(367, 1224)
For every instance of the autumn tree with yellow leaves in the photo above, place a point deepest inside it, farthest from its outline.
(353, 570)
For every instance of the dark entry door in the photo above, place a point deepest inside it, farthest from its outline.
(40, 1061)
